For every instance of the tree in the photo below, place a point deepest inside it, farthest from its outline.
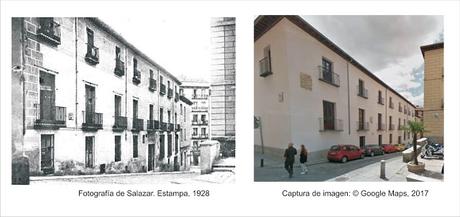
(415, 127)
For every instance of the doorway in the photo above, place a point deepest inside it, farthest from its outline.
(47, 153)
(151, 157)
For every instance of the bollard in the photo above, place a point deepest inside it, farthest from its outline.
(382, 169)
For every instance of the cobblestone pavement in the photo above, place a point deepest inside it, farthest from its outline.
(273, 169)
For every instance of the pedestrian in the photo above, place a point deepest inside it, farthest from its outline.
(303, 159)
(289, 158)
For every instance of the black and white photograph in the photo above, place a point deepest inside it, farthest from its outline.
(123, 100)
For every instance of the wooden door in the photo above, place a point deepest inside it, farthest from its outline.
(47, 96)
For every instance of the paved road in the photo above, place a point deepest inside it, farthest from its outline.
(274, 170)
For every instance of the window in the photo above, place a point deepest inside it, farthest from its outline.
(361, 90)
(150, 112)
(379, 122)
(161, 115)
(135, 146)
(47, 153)
(399, 140)
(89, 151)
(390, 119)
(380, 140)
(380, 99)
(327, 74)
(195, 131)
(136, 72)
(162, 147)
(362, 141)
(117, 148)
(119, 64)
(391, 138)
(361, 124)
(169, 116)
(203, 131)
(391, 102)
(329, 115)
(265, 65)
(195, 118)
(117, 106)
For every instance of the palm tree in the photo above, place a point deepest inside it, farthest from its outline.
(415, 127)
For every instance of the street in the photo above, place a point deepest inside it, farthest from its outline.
(274, 169)
(140, 178)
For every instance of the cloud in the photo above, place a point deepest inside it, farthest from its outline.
(389, 46)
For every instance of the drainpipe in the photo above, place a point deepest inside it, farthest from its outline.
(22, 81)
(348, 90)
(125, 67)
(76, 72)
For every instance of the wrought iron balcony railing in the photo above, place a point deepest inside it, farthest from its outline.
(380, 126)
(121, 123)
(138, 124)
(265, 68)
(51, 117)
(49, 30)
(329, 76)
(362, 126)
(92, 121)
(119, 67)
(92, 54)
(332, 124)
(362, 92)
(136, 76)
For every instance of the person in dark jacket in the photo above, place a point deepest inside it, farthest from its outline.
(303, 159)
(289, 158)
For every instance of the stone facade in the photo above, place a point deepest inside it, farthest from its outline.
(433, 109)
(223, 77)
(93, 102)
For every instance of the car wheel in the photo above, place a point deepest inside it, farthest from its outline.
(344, 159)
(372, 154)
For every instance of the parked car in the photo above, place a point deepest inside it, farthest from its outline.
(371, 150)
(400, 147)
(387, 148)
(344, 153)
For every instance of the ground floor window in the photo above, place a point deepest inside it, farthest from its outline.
(89, 151)
(117, 148)
(362, 141)
(47, 153)
(135, 146)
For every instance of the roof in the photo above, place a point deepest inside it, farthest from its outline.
(429, 47)
(117, 36)
(263, 24)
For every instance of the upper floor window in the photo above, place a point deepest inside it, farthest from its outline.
(119, 64)
(265, 65)
(380, 98)
(92, 52)
(136, 72)
(327, 74)
(362, 91)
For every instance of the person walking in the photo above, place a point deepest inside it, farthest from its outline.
(289, 158)
(303, 159)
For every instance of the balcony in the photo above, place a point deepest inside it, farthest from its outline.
(329, 77)
(170, 127)
(92, 121)
(152, 84)
(49, 31)
(362, 126)
(178, 127)
(119, 67)
(362, 92)
(200, 96)
(121, 123)
(195, 136)
(162, 89)
(330, 124)
(176, 97)
(380, 100)
(151, 125)
(265, 68)
(92, 54)
(170, 93)
(391, 127)
(203, 136)
(138, 124)
(381, 126)
(163, 126)
(55, 118)
(136, 76)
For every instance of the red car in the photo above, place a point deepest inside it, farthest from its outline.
(344, 153)
(387, 148)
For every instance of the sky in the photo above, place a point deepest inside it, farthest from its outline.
(181, 46)
(389, 46)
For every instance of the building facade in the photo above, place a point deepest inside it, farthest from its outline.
(433, 108)
(198, 93)
(223, 81)
(94, 103)
(309, 91)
